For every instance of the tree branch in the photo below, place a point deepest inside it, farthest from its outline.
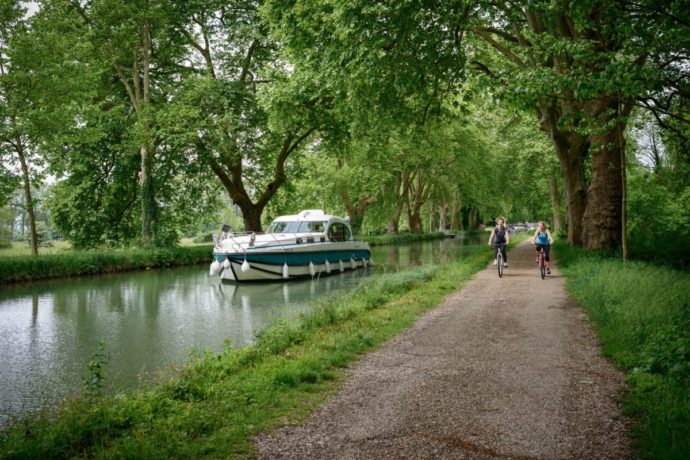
(499, 47)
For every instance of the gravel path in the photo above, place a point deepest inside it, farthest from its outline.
(505, 368)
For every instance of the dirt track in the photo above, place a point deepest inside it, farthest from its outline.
(505, 368)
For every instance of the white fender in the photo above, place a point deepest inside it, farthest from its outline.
(353, 264)
(245, 266)
(312, 270)
(371, 262)
(215, 268)
(328, 267)
(341, 265)
(286, 271)
(226, 263)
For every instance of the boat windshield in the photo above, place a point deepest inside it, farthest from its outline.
(297, 227)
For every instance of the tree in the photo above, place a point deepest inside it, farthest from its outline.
(582, 66)
(17, 132)
(243, 109)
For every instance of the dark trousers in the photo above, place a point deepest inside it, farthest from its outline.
(546, 247)
(502, 247)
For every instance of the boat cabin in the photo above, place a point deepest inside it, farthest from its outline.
(315, 224)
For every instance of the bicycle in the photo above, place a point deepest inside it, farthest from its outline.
(499, 260)
(542, 264)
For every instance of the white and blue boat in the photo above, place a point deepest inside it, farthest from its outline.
(305, 245)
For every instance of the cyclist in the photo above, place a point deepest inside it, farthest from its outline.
(499, 239)
(542, 238)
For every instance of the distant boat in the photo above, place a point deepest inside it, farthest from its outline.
(305, 245)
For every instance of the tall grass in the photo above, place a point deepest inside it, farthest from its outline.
(642, 314)
(215, 405)
(74, 263)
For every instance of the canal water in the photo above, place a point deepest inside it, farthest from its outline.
(153, 320)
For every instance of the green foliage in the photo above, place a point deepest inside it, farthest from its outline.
(642, 314)
(216, 405)
(97, 369)
(75, 263)
(6, 226)
(659, 222)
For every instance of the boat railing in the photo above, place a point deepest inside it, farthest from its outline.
(297, 237)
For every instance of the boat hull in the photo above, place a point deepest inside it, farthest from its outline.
(303, 261)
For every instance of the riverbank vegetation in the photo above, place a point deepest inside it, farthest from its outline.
(642, 314)
(214, 406)
(76, 263)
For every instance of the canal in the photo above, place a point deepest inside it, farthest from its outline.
(153, 320)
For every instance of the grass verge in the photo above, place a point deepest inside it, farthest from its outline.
(391, 238)
(219, 402)
(74, 263)
(642, 314)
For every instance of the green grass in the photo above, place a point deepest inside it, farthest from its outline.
(391, 238)
(219, 402)
(642, 314)
(74, 263)
(22, 248)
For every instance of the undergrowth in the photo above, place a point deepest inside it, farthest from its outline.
(642, 314)
(216, 404)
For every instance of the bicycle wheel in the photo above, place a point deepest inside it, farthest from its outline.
(499, 263)
(542, 265)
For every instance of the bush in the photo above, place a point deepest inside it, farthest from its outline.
(659, 223)
(203, 238)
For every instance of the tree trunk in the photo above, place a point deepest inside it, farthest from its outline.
(393, 225)
(473, 218)
(141, 101)
(356, 213)
(416, 225)
(455, 220)
(443, 213)
(555, 203)
(575, 188)
(27, 198)
(148, 198)
(251, 214)
(601, 227)
(432, 217)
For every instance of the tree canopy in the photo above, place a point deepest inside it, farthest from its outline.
(147, 115)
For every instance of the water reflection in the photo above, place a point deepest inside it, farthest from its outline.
(150, 320)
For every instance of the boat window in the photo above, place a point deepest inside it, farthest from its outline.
(312, 227)
(284, 227)
(338, 232)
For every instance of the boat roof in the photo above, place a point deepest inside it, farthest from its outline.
(311, 215)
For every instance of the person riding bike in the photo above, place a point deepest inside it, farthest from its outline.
(542, 239)
(499, 239)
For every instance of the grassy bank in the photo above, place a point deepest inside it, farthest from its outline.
(391, 238)
(642, 314)
(215, 406)
(75, 263)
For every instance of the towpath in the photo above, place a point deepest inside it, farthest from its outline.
(505, 368)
